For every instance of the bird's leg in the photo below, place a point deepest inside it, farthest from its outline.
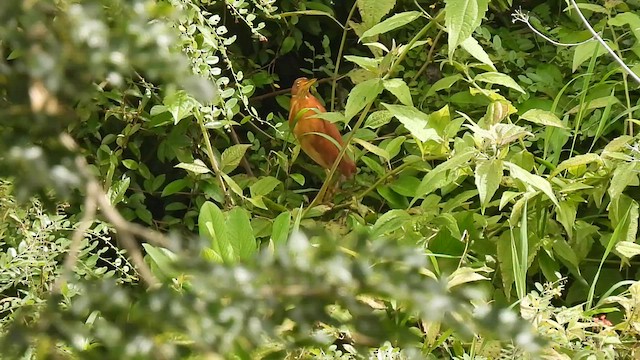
(331, 189)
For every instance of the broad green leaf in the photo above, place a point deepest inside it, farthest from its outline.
(505, 261)
(532, 180)
(627, 18)
(240, 233)
(233, 185)
(212, 226)
(174, 186)
(465, 275)
(543, 117)
(584, 52)
(623, 176)
(392, 23)
(400, 89)
(444, 83)
(197, 167)
(372, 11)
(264, 186)
(437, 177)
(393, 147)
(590, 7)
(369, 64)
(179, 104)
(361, 95)
(232, 156)
(378, 118)
(118, 189)
(373, 149)
(488, 175)
(333, 117)
(280, 230)
(130, 164)
(462, 17)
(627, 249)
(299, 178)
(565, 252)
(390, 221)
(595, 104)
(578, 160)
(164, 260)
(472, 46)
(499, 79)
(566, 215)
(415, 121)
(405, 185)
(287, 45)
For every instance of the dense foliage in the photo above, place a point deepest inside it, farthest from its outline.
(154, 201)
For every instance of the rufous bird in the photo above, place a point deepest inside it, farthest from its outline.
(305, 125)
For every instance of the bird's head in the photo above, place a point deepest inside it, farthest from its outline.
(302, 85)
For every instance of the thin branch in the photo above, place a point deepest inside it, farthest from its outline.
(85, 223)
(125, 229)
(339, 56)
(520, 15)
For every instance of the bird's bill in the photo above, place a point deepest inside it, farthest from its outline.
(309, 83)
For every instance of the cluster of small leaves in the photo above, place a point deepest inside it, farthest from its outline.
(278, 303)
(33, 243)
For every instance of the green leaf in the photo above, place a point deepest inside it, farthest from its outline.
(405, 185)
(532, 180)
(543, 117)
(488, 175)
(197, 167)
(372, 11)
(499, 79)
(627, 18)
(163, 259)
(565, 252)
(281, 225)
(212, 226)
(179, 104)
(118, 189)
(299, 178)
(361, 95)
(378, 119)
(390, 221)
(130, 164)
(232, 156)
(372, 148)
(628, 249)
(240, 233)
(444, 83)
(415, 121)
(287, 45)
(461, 18)
(400, 89)
(392, 23)
(472, 46)
(576, 161)
(174, 186)
(584, 52)
(333, 117)
(623, 176)
(369, 64)
(264, 186)
(438, 177)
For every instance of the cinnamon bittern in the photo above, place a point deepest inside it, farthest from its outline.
(306, 127)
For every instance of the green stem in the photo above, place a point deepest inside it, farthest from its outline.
(214, 162)
(339, 57)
